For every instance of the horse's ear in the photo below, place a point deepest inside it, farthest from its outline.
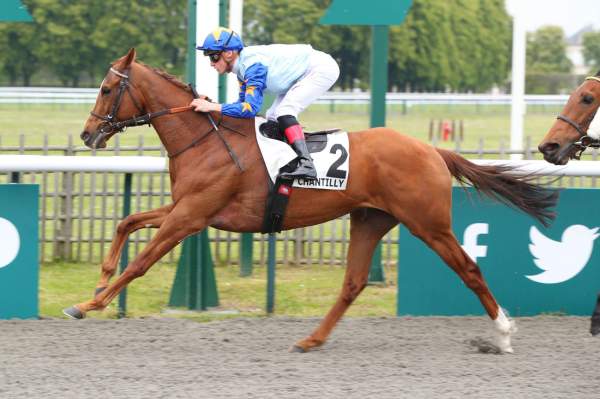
(129, 58)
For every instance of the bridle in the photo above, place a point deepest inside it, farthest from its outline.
(111, 125)
(584, 141)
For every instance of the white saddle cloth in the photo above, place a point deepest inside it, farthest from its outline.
(332, 163)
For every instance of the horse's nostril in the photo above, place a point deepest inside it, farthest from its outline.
(84, 135)
(548, 148)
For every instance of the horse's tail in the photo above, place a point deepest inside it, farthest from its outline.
(498, 183)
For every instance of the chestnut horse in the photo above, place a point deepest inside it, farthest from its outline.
(575, 129)
(392, 179)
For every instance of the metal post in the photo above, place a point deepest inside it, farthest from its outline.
(195, 285)
(379, 73)
(122, 310)
(223, 21)
(246, 245)
(190, 65)
(271, 275)
(517, 109)
(65, 228)
(379, 78)
(298, 246)
(15, 177)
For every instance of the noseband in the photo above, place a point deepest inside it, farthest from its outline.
(584, 141)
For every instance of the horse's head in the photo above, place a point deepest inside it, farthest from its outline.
(569, 135)
(118, 100)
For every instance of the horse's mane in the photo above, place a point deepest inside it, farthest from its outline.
(167, 76)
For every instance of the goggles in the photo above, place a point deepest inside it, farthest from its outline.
(213, 55)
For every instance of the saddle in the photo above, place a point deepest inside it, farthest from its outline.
(279, 193)
(315, 141)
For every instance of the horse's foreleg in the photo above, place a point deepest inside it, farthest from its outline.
(177, 225)
(445, 244)
(127, 226)
(367, 226)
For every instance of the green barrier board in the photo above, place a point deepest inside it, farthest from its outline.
(529, 269)
(18, 251)
(13, 11)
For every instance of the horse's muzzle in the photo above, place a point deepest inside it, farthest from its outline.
(550, 151)
(93, 140)
(556, 154)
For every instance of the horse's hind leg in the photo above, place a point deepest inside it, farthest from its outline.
(367, 226)
(130, 224)
(595, 326)
(443, 241)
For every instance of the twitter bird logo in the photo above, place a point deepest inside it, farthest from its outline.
(561, 260)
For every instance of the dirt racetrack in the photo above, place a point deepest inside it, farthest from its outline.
(421, 357)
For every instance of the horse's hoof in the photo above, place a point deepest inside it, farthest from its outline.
(595, 327)
(508, 350)
(74, 313)
(99, 290)
(297, 349)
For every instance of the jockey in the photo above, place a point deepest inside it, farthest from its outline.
(297, 74)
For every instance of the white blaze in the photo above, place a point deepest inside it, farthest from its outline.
(594, 129)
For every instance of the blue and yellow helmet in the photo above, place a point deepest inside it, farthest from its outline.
(221, 39)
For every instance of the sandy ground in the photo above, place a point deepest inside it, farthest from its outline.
(428, 357)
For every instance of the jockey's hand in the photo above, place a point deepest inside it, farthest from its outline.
(201, 105)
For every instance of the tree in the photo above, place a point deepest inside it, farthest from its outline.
(19, 59)
(546, 51)
(460, 45)
(65, 29)
(591, 50)
(76, 40)
(495, 42)
(157, 29)
(429, 66)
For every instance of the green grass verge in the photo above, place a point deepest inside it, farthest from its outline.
(300, 292)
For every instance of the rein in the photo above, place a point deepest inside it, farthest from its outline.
(144, 119)
(584, 141)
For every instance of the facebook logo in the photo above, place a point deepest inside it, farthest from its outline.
(470, 245)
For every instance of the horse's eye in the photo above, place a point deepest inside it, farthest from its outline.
(105, 90)
(588, 99)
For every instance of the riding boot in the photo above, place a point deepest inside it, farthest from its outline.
(305, 169)
(295, 136)
(595, 327)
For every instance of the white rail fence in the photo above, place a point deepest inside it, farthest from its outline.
(141, 164)
(51, 95)
(81, 202)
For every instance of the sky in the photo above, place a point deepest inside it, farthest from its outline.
(571, 15)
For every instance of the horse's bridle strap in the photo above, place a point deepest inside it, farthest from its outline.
(596, 78)
(571, 122)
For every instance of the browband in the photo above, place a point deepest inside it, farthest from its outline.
(596, 78)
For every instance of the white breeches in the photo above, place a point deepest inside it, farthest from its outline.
(321, 74)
